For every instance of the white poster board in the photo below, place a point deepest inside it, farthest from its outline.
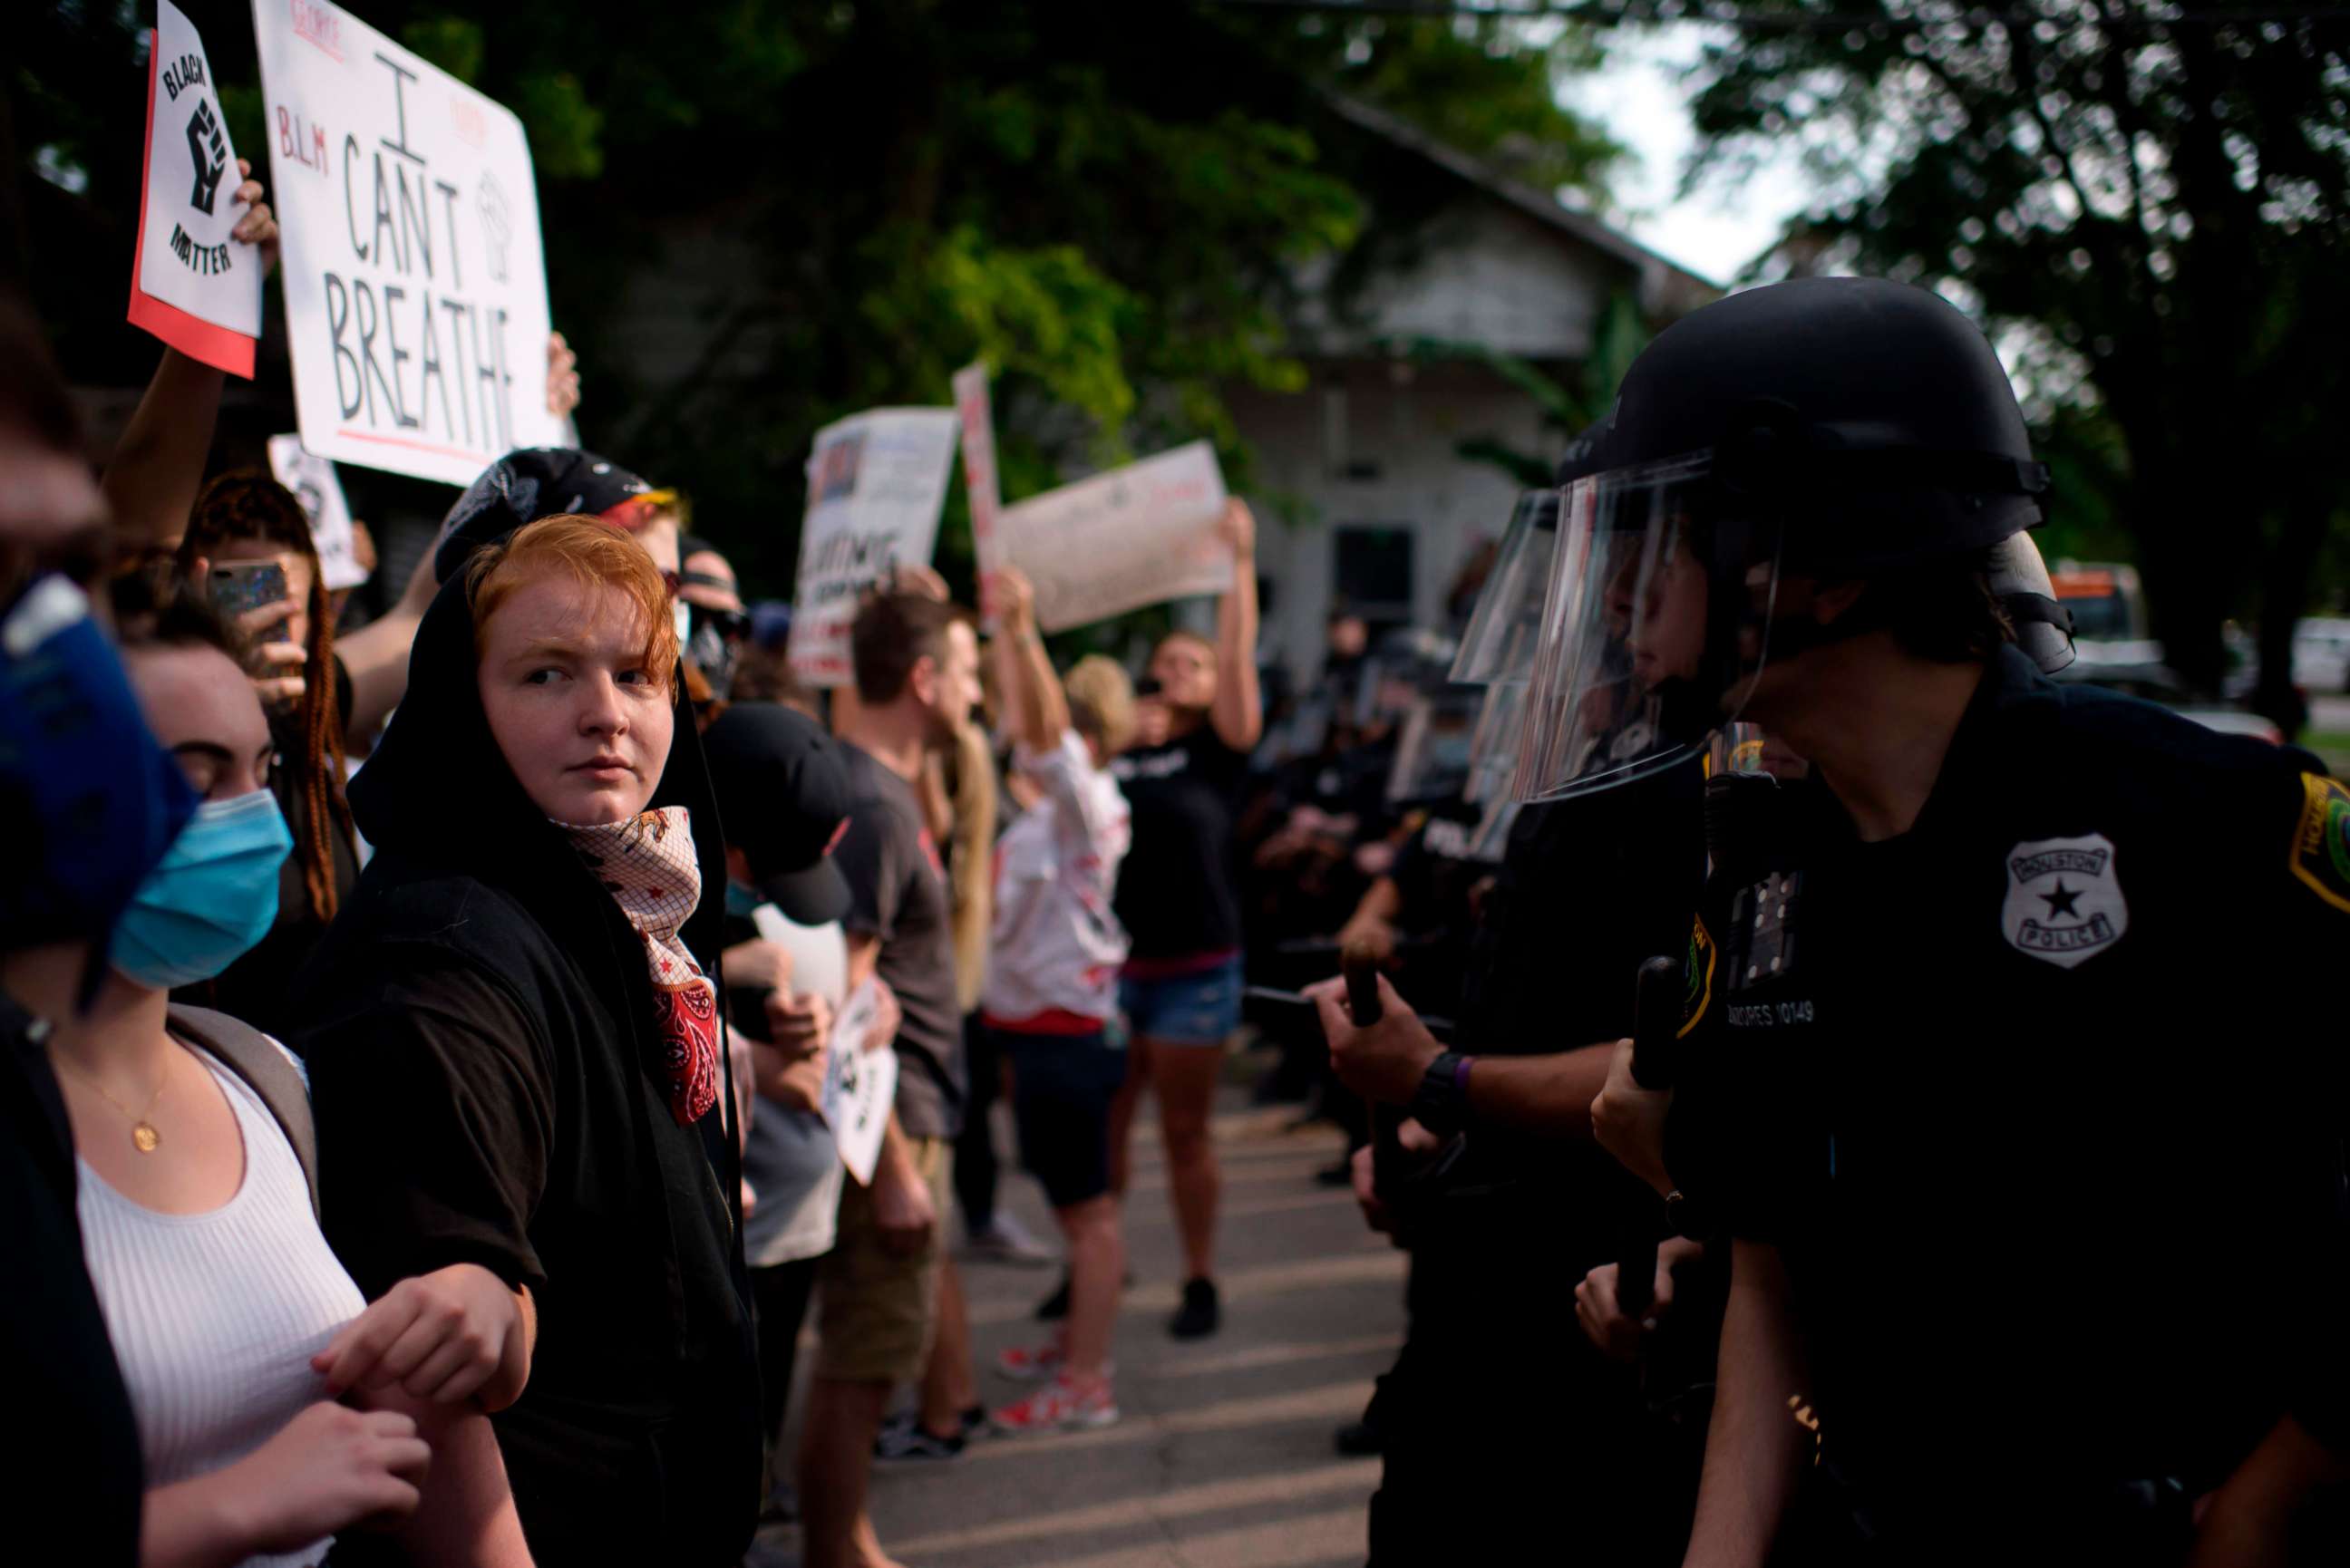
(312, 480)
(191, 284)
(860, 1085)
(979, 481)
(875, 482)
(415, 286)
(1137, 535)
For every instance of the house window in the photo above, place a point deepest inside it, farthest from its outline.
(1342, 455)
(1371, 571)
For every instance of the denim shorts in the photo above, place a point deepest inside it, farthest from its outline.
(1198, 1009)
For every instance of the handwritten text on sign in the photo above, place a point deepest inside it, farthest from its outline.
(875, 482)
(860, 1083)
(415, 285)
(1141, 534)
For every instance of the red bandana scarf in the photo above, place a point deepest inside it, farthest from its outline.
(649, 865)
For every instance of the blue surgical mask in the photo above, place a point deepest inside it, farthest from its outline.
(97, 801)
(213, 898)
(742, 900)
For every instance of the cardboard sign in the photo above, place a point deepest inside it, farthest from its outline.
(415, 287)
(979, 480)
(860, 1085)
(312, 480)
(1137, 535)
(191, 284)
(875, 482)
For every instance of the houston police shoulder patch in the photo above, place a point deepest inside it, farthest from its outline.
(2320, 839)
(2064, 903)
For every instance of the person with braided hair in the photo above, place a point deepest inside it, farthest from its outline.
(246, 515)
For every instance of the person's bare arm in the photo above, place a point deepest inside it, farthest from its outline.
(1031, 693)
(467, 1518)
(152, 481)
(1239, 711)
(1385, 1063)
(1373, 923)
(2249, 1519)
(1755, 1448)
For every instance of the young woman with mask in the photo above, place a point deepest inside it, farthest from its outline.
(218, 1290)
(1180, 902)
(514, 1043)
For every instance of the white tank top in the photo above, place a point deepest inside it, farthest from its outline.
(215, 1316)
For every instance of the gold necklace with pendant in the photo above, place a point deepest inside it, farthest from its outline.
(143, 1135)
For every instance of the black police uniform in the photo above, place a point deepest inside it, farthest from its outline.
(1505, 1431)
(2040, 1104)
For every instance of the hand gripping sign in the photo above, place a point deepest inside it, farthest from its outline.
(415, 285)
(191, 284)
(860, 1083)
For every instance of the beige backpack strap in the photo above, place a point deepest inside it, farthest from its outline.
(267, 1071)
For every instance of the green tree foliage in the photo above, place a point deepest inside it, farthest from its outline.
(761, 215)
(2151, 196)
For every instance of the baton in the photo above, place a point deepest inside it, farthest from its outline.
(1656, 1021)
(1360, 966)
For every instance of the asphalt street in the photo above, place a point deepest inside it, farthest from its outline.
(1224, 1457)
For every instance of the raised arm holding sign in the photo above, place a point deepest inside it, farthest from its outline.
(415, 283)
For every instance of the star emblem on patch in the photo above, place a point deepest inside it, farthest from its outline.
(2065, 902)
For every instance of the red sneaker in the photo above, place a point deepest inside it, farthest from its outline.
(1023, 1365)
(1059, 1407)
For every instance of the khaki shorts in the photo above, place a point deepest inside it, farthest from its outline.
(877, 1309)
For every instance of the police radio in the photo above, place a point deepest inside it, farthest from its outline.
(1656, 1022)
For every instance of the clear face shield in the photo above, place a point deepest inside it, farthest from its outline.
(1654, 621)
(1506, 623)
(1433, 748)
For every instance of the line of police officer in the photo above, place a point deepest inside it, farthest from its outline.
(2008, 1125)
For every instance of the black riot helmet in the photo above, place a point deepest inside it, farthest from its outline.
(1835, 426)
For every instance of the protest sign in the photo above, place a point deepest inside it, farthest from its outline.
(1137, 535)
(979, 474)
(875, 482)
(415, 287)
(859, 1084)
(312, 480)
(191, 284)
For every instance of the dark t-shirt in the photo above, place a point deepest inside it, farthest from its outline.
(2069, 1028)
(898, 891)
(1179, 893)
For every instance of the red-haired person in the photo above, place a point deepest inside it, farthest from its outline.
(513, 1044)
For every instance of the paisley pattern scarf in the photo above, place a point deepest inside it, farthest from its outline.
(649, 865)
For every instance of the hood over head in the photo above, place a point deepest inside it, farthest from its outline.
(439, 792)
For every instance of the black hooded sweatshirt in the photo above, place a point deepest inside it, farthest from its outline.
(489, 1089)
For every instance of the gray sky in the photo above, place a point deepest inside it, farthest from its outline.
(1640, 98)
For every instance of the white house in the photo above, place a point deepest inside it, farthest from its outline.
(1386, 510)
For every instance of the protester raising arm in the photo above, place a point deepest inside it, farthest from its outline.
(151, 483)
(1031, 693)
(1239, 711)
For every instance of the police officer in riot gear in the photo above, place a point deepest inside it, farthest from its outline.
(2012, 1071)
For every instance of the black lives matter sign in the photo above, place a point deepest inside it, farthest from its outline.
(193, 286)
